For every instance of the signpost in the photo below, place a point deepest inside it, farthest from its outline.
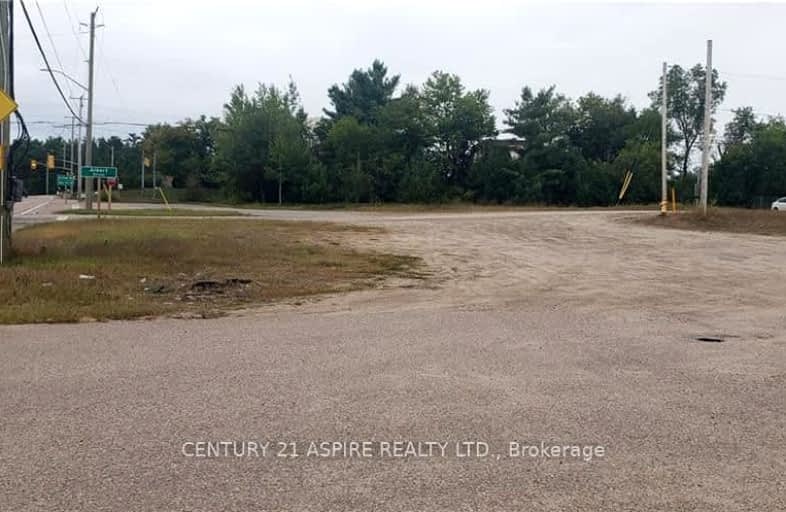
(99, 172)
(89, 171)
(65, 181)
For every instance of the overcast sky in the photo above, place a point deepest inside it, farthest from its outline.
(167, 60)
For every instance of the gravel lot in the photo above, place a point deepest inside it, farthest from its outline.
(558, 327)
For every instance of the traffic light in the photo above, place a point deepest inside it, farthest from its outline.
(50, 162)
(33, 165)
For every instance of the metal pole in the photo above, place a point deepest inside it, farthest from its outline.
(89, 141)
(142, 174)
(71, 149)
(6, 206)
(155, 158)
(664, 116)
(112, 152)
(65, 155)
(705, 154)
(79, 153)
(71, 158)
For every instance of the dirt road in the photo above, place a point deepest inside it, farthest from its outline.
(537, 328)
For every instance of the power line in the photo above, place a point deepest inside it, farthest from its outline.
(73, 30)
(122, 123)
(757, 112)
(756, 76)
(52, 43)
(46, 61)
(105, 68)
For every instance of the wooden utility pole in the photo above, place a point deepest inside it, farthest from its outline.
(89, 142)
(705, 154)
(664, 116)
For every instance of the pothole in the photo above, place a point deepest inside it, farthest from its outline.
(709, 339)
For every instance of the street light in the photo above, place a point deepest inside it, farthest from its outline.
(65, 75)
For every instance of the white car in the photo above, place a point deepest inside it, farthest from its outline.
(779, 204)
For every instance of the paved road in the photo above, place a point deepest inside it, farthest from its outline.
(37, 209)
(561, 328)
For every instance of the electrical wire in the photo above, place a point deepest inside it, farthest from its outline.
(46, 61)
(95, 123)
(73, 30)
(24, 136)
(105, 69)
(52, 43)
(755, 112)
(756, 76)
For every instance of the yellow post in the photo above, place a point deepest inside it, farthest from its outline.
(161, 191)
(625, 185)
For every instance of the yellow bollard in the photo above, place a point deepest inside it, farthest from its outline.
(160, 191)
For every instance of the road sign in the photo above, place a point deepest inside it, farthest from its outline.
(99, 172)
(65, 181)
(7, 106)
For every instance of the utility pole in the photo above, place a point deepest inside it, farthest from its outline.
(71, 157)
(6, 82)
(664, 116)
(71, 148)
(79, 151)
(705, 154)
(155, 158)
(89, 142)
(142, 173)
(112, 158)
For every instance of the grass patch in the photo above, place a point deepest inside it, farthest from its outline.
(162, 266)
(732, 220)
(157, 212)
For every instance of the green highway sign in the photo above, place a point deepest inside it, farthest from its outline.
(99, 172)
(64, 181)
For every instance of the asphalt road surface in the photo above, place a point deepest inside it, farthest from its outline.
(36, 209)
(567, 329)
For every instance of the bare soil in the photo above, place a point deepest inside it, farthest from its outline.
(732, 220)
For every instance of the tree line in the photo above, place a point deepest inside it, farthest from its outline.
(381, 141)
